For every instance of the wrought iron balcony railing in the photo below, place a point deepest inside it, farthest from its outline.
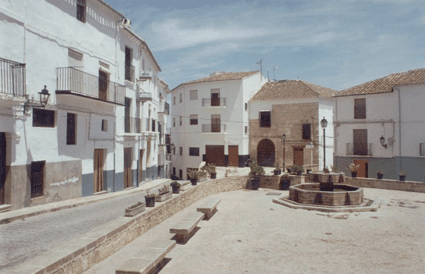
(214, 102)
(213, 128)
(77, 82)
(12, 78)
(359, 149)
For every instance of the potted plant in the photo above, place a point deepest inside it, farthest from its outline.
(135, 209)
(210, 168)
(276, 170)
(164, 194)
(176, 187)
(285, 182)
(297, 169)
(354, 169)
(326, 170)
(150, 200)
(255, 174)
(380, 174)
(402, 175)
(193, 175)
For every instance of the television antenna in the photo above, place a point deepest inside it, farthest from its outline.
(274, 67)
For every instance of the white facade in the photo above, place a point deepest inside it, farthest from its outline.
(83, 63)
(398, 117)
(233, 95)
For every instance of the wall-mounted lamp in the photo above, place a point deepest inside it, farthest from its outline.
(324, 124)
(44, 98)
(382, 141)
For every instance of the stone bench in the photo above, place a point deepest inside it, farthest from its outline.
(209, 207)
(148, 259)
(187, 227)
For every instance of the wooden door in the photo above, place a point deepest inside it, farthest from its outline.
(266, 153)
(215, 99)
(2, 166)
(215, 123)
(298, 156)
(99, 161)
(363, 169)
(215, 155)
(141, 152)
(128, 178)
(233, 156)
(103, 85)
(360, 142)
(37, 178)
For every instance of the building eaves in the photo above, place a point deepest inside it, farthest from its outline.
(386, 84)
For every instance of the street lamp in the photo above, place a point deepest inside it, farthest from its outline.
(283, 140)
(44, 98)
(382, 141)
(324, 124)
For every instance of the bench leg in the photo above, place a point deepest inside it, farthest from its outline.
(209, 215)
(184, 238)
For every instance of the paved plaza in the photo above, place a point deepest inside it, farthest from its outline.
(251, 234)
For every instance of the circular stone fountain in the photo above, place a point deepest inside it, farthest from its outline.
(327, 192)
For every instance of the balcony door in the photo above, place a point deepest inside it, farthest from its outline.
(127, 108)
(103, 85)
(128, 159)
(2, 166)
(360, 142)
(215, 97)
(98, 163)
(215, 122)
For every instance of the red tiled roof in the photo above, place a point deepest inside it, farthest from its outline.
(291, 89)
(223, 76)
(386, 84)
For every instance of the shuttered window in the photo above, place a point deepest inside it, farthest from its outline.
(71, 129)
(360, 108)
(265, 119)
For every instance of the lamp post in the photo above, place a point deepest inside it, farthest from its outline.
(324, 124)
(283, 161)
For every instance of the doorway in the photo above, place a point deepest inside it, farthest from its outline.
(364, 168)
(215, 155)
(233, 156)
(99, 161)
(141, 152)
(265, 153)
(128, 159)
(298, 156)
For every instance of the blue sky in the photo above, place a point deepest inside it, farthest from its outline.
(333, 43)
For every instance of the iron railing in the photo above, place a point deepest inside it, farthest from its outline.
(214, 102)
(12, 78)
(359, 149)
(214, 128)
(132, 125)
(74, 81)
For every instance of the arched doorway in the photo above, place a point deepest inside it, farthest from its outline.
(265, 153)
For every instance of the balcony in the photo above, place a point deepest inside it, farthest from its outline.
(214, 102)
(144, 96)
(12, 78)
(359, 149)
(213, 128)
(129, 73)
(132, 125)
(164, 108)
(145, 75)
(76, 82)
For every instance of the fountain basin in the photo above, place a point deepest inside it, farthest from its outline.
(341, 195)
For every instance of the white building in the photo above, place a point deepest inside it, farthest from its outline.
(389, 109)
(210, 120)
(99, 129)
(285, 124)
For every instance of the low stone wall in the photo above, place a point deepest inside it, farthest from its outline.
(100, 243)
(387, 184)
(273, 181)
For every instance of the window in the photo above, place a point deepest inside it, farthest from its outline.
(194, 151)
(306, 131)
(215, 97)
(105, 125)
(127, 119)
(81, 10)
(181, 151)
(43, 118)
(193, 95)
(265, 120)
(174, 171)
(103, 85)
(181, 173)
(174, 100)
(215, 123)
(246, 106)
(194, 119)
(246, 129)
(360, 146)
(71, 129)
(37, 178)
(75, 59)
(360, 108)
(174, 121)
(181, 97)
(129, 69)
(181, 120)
(153, 124)
(422, 149)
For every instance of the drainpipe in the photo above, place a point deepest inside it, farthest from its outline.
(399, 128)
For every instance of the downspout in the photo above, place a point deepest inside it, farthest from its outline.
(399, 128)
